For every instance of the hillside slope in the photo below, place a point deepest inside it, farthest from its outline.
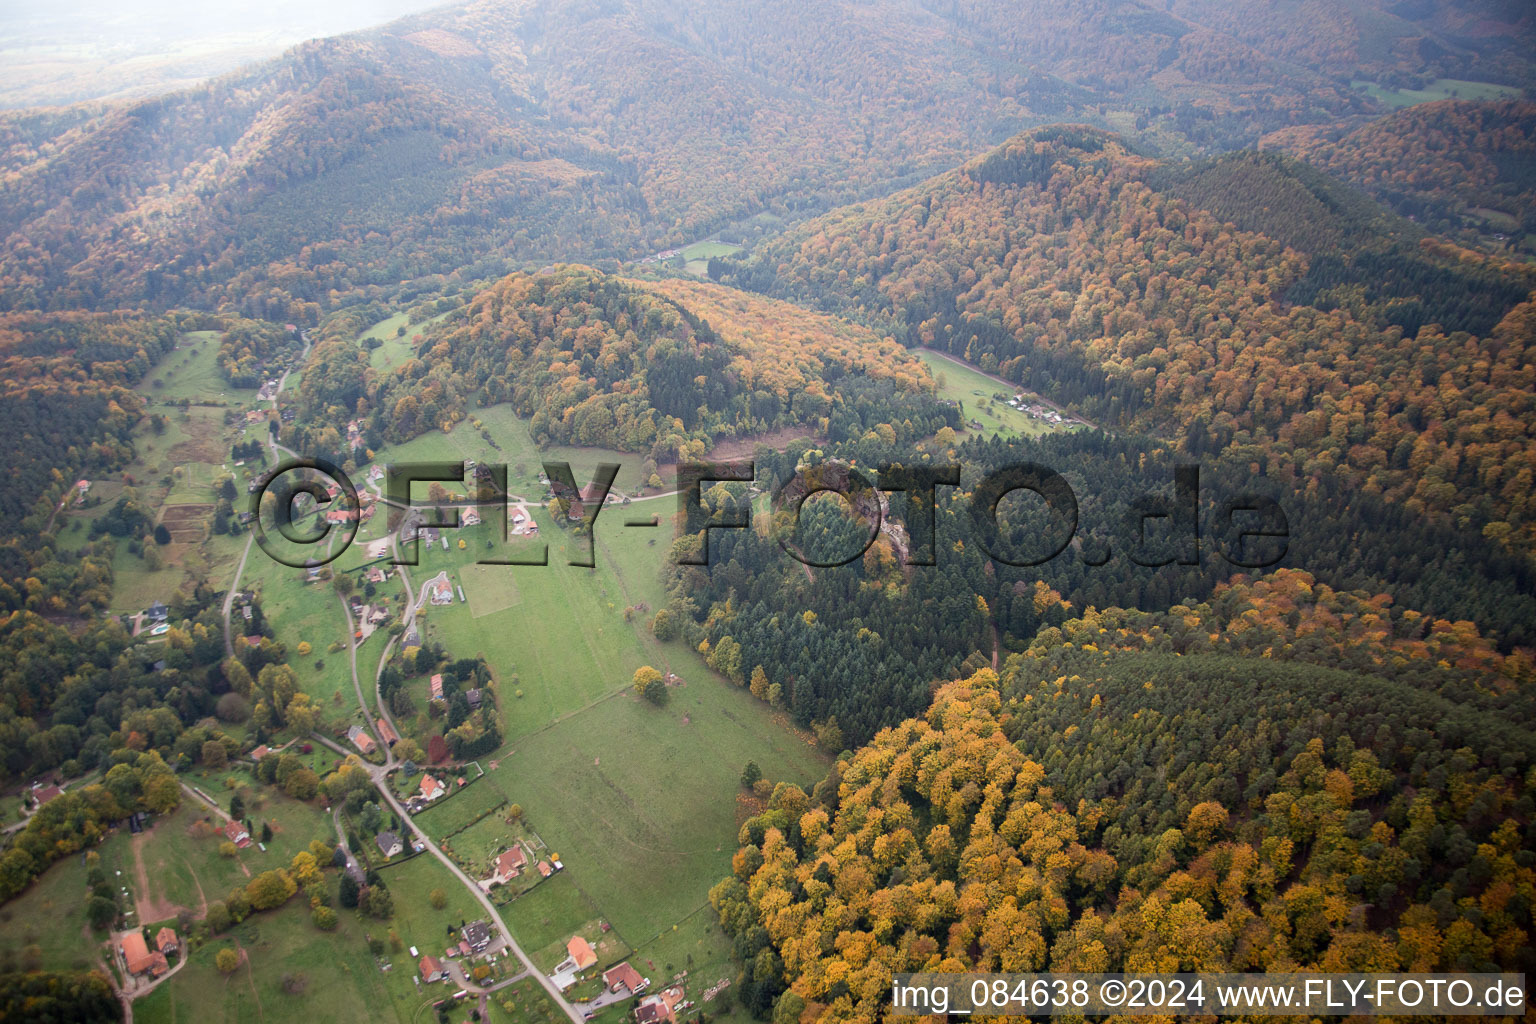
(1453, 166)
(1224, 787)
(1067, 263)
(527, 130)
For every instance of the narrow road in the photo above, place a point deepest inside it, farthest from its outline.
(353, 867)
(357, 686)
(234, 584)
(378, 773)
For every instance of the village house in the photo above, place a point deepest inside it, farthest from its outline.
(166, 942)
(431, 969)
(431, 788)
(661, 1008)
(507, 867)
(581, 952)
(389, 844)
(139, 959)
(544, 869)
(473, 698)
(237, 833)
(625, 978)
(43, 794)
(477, 934)
(361, 740)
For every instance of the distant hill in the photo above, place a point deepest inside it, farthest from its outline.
(461, 139)
(1067, 262)
(1458, 168)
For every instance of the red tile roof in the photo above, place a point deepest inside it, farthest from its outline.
(581, 952)
(624, 975)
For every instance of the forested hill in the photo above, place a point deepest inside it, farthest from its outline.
(1168, 792)
(539, 130)
(1451, 165)
(663, 369)
(1066, 262)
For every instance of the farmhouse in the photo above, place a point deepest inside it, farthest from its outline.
(582, 953)
(508, 866)
(624, 978)
(237, 834)
(431, 969)
(361, 740)
(46, 793)
(139, 959)
(389, 843)
(431, 788)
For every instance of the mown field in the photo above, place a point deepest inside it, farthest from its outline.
(1439, 89)
(974, 390)
(457, 810)
(290, 971)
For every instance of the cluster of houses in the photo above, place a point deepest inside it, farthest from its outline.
(513, 862)
(1037, 411)
(141, 960)
(474, 939)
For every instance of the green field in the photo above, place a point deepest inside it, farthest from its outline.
(697, 256)
(393, 349)
(411, 883)
(511, 445)
(453, 812)
(476, 846)
(639, 801)
(292, 971)
(1439, 89)
(974, 391)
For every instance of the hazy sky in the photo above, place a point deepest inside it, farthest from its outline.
(64, 50)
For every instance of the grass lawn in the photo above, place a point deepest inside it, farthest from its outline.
(309, 611)
(1439, 89)
(974, 390)
(453, 812)
(477, 846)
(640, 801)
(523, 1003)
(393, 349)
(511, 445)
(49, 918)
(410, 883)
(291, 971)
(175, 467)
(565, 644)
(550, 912)
(608, 945)
(698, 254)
